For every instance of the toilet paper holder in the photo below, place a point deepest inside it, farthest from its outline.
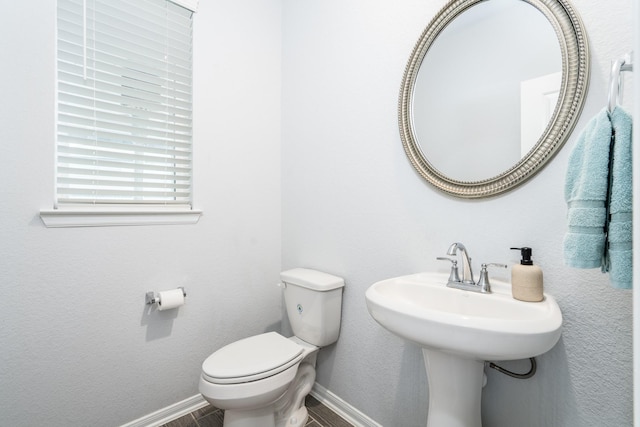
(153, 298)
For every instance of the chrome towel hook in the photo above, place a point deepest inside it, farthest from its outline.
(616, 82)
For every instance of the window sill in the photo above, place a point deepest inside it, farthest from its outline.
(82, 217)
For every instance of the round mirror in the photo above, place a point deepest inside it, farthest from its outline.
(492, 90)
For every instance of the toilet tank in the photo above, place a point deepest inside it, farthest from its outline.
(314, 302)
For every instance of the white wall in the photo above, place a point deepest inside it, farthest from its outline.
(76, 344)
(353, 206)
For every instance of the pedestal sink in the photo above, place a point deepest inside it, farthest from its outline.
(458, 330)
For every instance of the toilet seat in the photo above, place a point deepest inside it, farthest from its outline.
(252, 359)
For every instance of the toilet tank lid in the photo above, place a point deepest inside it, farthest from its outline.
(312, 279)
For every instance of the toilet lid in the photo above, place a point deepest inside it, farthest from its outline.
(251, 359)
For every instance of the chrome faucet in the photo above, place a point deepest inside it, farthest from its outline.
(467, 273)
(467, 283)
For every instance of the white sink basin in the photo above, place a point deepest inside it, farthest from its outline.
(494, 326)
(458, 330)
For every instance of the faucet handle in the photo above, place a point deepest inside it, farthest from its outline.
(494, 264)
(483, 281)
(453, 276)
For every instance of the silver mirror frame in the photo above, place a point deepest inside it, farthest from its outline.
(575, 81)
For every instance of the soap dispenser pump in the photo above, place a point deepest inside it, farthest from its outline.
(526, 278)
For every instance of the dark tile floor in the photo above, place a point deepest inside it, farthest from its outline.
(319, 416)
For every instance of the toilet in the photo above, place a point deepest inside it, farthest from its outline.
(262, 381)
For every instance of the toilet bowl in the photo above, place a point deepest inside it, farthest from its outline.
(249, 379)
(262, 380)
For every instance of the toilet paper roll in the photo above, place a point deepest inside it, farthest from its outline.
(170, 299)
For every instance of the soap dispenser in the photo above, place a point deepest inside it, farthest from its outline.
(526, 278)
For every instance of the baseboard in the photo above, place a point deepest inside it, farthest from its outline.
(170, 413)
(342, 408)
(193, 403)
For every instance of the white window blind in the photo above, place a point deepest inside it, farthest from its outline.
(124, 103)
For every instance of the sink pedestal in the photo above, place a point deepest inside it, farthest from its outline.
(455, 389)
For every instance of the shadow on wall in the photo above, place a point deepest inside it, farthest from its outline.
(159, 323)
(412, 396)
(505, 394)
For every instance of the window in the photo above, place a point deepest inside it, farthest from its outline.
(124, 110)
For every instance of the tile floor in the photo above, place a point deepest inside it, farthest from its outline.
(319, 416)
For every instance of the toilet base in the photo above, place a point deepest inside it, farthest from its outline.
(288, 411)
(263, 417)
